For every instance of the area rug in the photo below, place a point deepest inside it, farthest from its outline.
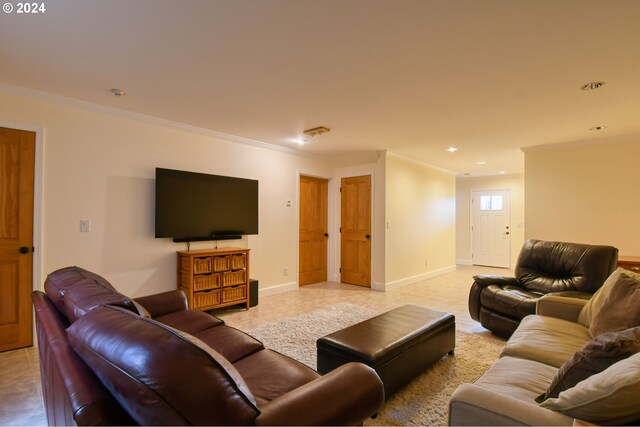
(425, 400)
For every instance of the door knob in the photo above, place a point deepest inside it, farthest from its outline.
(24, 250)
(367, 236)
(326, 234)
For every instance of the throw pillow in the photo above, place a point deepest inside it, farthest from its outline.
(621, 308)
(594, 357)
(610, 396)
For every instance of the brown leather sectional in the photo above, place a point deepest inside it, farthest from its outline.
(108, 359)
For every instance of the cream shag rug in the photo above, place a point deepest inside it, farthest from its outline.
(425, 401)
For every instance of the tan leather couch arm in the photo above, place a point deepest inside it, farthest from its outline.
(345, 396)
(560, 307)
(472, 405)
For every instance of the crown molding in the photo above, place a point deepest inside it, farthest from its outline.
(143, 118)
(419, 163)
(581, 143)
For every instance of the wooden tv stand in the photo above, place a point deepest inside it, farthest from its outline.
(214, 278)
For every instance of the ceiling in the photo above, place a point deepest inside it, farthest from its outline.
(411, 77)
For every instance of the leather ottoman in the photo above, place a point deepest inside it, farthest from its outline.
(399, 344)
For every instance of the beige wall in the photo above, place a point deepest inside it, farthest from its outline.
(585, 193)
(101, 166)
(464, 188)
(420, 221)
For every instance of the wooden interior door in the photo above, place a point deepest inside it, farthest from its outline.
(17, 162)
(355, 241)
(313, 230)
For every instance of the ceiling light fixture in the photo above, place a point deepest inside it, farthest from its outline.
(503, 172)
(316, 131)
(300, 140)
(118, 92)
(593, 86)
(597, 128)
(452, 149)
(482, 163)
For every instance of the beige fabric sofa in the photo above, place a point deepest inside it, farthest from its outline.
(506, 393)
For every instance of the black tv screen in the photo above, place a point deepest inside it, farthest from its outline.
(194, 206)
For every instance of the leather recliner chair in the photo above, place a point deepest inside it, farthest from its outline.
(499, 303)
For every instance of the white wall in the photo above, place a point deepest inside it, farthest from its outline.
(586, 193)
(420, 221)
(101, 166)
(464, 188)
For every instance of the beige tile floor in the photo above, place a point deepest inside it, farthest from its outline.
(21, 391)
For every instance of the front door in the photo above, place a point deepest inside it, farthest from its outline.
(17, 162)
(491, 228)
(313, 230)
(355, 242)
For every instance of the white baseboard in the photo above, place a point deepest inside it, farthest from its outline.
(463, 262)
(415, 279)
(278, 289)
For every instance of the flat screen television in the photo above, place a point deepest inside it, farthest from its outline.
(194, 206)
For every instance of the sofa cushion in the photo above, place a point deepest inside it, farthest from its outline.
(87, 294)
(158, 375)
(621, 307)
(610, 396)
(270, 374)
(230, 342)
(189, 321)
(596, 356)
(546, 339)
(519, 378)
(61, 279)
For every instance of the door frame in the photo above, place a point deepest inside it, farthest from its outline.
(471, 206)
(38, 192)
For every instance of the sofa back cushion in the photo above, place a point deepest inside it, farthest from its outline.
(159, 375)
(559, 266)
(88, 294)
(58, 281)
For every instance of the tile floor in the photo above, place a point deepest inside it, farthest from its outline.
(21, 391)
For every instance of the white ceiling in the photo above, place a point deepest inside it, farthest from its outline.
(412, 77)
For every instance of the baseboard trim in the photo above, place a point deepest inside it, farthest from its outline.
(463, 262)
(278, 289)
(418, 278)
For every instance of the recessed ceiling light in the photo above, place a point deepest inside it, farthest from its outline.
(592, 86)
(503, 172)
(482, 163)
(300, 140)
(118, 92)
(452, 149)
(597, 128)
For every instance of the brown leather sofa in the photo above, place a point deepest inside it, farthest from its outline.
(574, 270)
(108, 359)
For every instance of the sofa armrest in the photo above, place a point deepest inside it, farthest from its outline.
(164, 303)
(472, 405)
(560, 307)
(485, 280)
(345, 396)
